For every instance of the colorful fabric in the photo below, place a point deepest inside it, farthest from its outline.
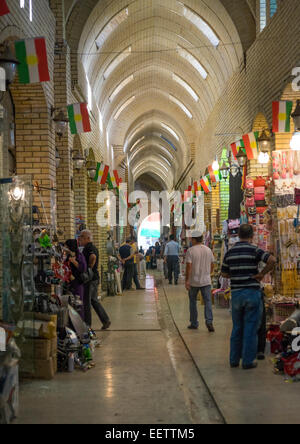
(282, 111)
(32, 55)
(101, 173)
(251, 145)
(4, 8)
(79, 118)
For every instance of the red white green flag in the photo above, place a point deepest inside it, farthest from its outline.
(251, 145)
(3, 8)
(32, 55)
(235, 147)
(79, 118)
(205, 185)
(212, 175)
(282, 116)
(101, 173)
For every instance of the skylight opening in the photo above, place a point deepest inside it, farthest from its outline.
(111, 26)
(181, 106)
(154, 167)
(90, 96)
(120, 87)
(167, 152)
(116, 62)
(100, 120)
(168, 142)
(203, 27)
(193, 61)
(186, 86)
(141, 148)
(136, 143)
(123, 107)
(166, 127)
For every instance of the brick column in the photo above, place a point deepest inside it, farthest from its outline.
(35, 148)
(62, 97)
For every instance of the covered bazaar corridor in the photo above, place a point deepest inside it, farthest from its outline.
(151, 370)
(132, 131)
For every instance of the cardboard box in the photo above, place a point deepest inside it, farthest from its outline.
(53, 346)
(44, 369)
(37, 349)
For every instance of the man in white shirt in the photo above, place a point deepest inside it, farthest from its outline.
(199, 267)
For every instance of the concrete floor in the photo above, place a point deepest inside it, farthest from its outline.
(150, 370)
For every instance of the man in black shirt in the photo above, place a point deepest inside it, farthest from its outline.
(126, 256)
(91, 289)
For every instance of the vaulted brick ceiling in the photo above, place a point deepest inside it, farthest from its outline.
(154, 62)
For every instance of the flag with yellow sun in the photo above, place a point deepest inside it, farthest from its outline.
(79, 118)
(32, 55)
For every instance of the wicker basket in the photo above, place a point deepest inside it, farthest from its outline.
(282, 311)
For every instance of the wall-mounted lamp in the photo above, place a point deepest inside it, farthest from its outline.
(60, 120)
(78, 160)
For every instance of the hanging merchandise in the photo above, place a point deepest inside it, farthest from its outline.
(251, 145)
(32, 55)
(4, 8)
(282, 111)
(79, 118)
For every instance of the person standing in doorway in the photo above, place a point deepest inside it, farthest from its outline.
(172, 259)
(91, 299)
(199, 267)
(240, 265)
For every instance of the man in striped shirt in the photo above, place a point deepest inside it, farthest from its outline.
(241, 265)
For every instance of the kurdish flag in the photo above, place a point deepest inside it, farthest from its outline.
(101, 173)
(212, 175)
(3, 8)
(79, 118)
(282, 116)
(251, 145)
(235, 147)
(113, 179)
(205, 185)
(32, 55)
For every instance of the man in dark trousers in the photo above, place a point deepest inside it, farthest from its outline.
(91, 289)
(126, 256)
(240, 265)
(171, 255)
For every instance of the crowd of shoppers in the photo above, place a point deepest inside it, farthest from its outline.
(241, 266)
(83, 259)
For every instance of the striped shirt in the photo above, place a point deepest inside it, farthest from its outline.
(241, 264)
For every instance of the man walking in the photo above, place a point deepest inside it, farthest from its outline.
(199, 267)
(91, 288)
(241, 266)
(172, 259)
(127, 253)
